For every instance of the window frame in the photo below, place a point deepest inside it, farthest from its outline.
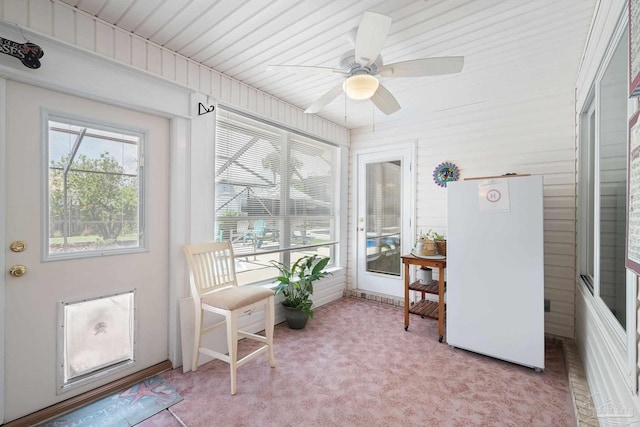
(587, 194)
(143, 238)
(619, 342)
(285, 137)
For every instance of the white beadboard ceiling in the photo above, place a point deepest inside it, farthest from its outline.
(513, 49)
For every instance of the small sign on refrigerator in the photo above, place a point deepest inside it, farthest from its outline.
(493, 196)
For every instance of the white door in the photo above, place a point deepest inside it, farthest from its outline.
(95, 291)
(384, 194)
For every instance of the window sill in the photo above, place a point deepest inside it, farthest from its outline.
(271, 283)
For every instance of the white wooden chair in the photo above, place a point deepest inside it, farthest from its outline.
(214, 288)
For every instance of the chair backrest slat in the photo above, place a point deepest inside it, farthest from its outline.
(211, 265)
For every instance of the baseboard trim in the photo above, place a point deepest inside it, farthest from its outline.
(90, 396)
(374, 297)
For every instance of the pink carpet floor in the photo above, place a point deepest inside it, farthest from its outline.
(354, 365)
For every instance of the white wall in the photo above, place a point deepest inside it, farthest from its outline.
(532, 135)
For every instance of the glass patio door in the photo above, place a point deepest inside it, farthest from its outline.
(383, 221)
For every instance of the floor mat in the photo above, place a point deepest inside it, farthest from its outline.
(126, 408)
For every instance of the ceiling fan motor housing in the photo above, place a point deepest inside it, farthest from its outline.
(352, 67)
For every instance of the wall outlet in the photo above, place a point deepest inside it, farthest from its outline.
(547, 306)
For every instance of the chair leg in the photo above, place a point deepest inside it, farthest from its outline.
(268, 328)
(196, 339)
(232, 342)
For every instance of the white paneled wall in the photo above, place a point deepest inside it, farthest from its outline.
(67, 24)
(534, 135)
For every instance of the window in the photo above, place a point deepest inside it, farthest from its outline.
(587, 195)
(603, 184)
(94, 193)
(275, 194)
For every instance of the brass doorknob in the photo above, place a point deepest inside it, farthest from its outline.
(18, 246)
(17, 270)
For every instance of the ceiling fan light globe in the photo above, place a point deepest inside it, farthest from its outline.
(360, 86)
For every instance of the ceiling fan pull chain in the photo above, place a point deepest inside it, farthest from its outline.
(373, 118)
(345, 108)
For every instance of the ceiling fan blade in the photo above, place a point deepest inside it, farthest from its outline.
(385, 102)
(372, 34)
(423, 67)
(324, 100)
(304, 69)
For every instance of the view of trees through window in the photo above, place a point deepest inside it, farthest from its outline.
(94, 189)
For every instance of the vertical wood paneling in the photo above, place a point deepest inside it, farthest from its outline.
(193, 75)
(85, 32)
(215, 85)
(154, 59)
(225, 88)
(244, 96)
(64, 23)
(205, 80)
(15, 11)
(168, 65)
(260, 103)
(181, 68)
(235, 92)
(266, 105)
(104, 39)
(252, 97)
(138, 53)
(123, 47)
(40, 18)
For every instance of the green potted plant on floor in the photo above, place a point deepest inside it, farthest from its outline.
(296, 285)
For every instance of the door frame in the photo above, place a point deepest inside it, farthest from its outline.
(72, 71)
(409, 206)
(3, 240)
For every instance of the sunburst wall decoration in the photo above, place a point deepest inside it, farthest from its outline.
(445, 172)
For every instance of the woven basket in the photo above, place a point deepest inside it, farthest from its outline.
(425, 247)
(441, 247)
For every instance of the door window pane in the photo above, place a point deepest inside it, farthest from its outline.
(94, 191)
(383, 217)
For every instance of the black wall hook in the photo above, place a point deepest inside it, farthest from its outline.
(204, 110)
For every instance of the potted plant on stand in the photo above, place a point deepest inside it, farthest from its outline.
(424, 246)
(441, 242)
(296, 285)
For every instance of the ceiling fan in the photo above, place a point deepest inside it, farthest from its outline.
(361, 66)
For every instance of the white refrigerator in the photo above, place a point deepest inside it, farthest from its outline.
(495, 268)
